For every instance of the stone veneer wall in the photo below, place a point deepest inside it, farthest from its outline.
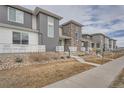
(70, 30)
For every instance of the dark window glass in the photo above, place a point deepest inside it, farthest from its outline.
(20, 38)
(98, 45)
(24, 38)
(76, 35)
(92, 45)
(16, 38)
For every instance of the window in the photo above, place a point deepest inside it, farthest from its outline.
(82, 44)
(15, 15)
(24, 38)
(76, 35)
(11, 14)
(98, 45)
(16, 38)
(20, 38)
(92, 44)
(19, 16)
(50, 27)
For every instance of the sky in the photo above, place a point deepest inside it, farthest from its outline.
(106, 19)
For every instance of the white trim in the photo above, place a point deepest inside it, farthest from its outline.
(50, 24)
(6, 35)
(20, 37)
(22, 15)
(17, 28)
(8, 11)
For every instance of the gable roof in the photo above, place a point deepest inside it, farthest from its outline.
(100, 34)
(38, 10)
(72, 21)
(113, 39)
(21, 8)
(86, 35)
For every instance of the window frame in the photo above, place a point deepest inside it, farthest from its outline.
(98, 45)
(48, 27)
(8, 11)
(21, 38)
(93, 45)
(82, 44)
(13, 40)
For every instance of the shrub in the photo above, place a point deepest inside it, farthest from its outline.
(39, 57)
(62, 57)
(19, 60)
(81, 54)
(98, 51)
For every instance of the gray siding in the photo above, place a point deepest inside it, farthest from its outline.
(50, 43)
(4, 18)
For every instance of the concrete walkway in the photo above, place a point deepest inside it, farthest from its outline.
(99, 77)
(81, 60)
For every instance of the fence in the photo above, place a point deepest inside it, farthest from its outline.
(72, 49)
(60, 48)
(14, 48)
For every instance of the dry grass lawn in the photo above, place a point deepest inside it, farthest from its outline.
(40, 75)
(119, 81)
(107, 57)
(95, 59)
(113, 55)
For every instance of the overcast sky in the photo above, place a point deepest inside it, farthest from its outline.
(96, 19)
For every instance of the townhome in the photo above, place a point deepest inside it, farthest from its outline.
(24, 30)
(87, 43)
(102, 41)
(70, 35)
(97, 41)
(112, 44)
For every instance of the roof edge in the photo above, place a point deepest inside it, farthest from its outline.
(21, 8)
(72, 21)
(38, 10)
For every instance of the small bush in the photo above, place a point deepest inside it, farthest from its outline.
(38, 57)
(19, 60)
(62, 57)
(81, 54)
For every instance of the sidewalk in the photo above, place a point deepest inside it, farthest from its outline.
(81, 60)
(99, 77)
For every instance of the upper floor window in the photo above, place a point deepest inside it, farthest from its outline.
(15, 15)
(20, 38)
(82, 44)
(50, 27)
(76, 35)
